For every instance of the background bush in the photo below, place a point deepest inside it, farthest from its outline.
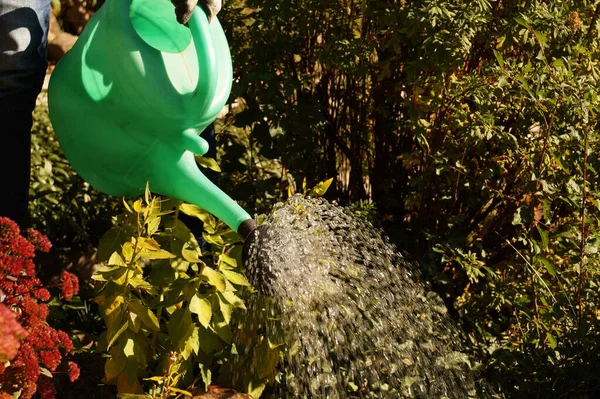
(468, 130)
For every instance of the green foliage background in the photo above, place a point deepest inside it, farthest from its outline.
(467, 129)
(472, 126)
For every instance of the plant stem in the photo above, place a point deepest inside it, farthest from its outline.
(583, 237)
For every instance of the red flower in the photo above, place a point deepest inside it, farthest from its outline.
(65, 341)
(70, 285)
(51, 358)
(11, 333)
(46, 388)
(73, 371)
(23, 317)
(39, 241)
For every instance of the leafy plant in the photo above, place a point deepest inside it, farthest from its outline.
(169, 306)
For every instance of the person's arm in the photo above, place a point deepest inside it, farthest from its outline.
(184, 8)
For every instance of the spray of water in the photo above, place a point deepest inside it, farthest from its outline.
(357, 322)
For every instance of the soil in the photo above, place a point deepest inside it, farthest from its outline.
(89, 385)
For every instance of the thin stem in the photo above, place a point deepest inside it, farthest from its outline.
(583, 236)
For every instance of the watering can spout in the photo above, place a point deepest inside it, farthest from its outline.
(129, 100)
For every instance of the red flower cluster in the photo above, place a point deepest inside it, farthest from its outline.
(70, 285)
(73, 371)
(11, 333)
(20, 293)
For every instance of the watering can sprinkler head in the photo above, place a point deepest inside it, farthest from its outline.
(256, 258)
(129, 101)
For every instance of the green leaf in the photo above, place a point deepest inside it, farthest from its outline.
(117, 334)
(181, 391)
(551, 340)
(110, 242)
(266, 359)
(192, 343)
(558, 63)
(46, 372)
(128, 252)
(191, 252)
(499, 58)
(201, 307)
(223, 330)
(208, 163)
(196, 211)
(153, 225)
(116, 274)
(543, 236)
(321, 188)
(226, 309)
(134, 322)
(145, 314)
(179, 325)
(137, 205)
(522, 22)
(255, 387)
(208, 340)
(160, 254)
(541, 37)
(225, 261)
(116, 363)
(233, 299)
(148, 243)
(236, 278)
(128, 348)
(547, 265)
(206, 375)
(214, 277)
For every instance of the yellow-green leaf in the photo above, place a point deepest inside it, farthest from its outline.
(202, 307)
(226, 309)
(255, 387)
(128, 348)
(321, 188)
(160, 254)
(137, 206)
(145, 314)
(233, 299)
(115, 364)
(128, 251)
(214, 278)
(208, 163)
(134, 322)
(148, 243)
(147, 194)
(116, 259)
(196, 211)
(177, 390)
(223, 330)
(235, 278)
(117, 334)
(190, 253)
(227, 262)
(153, 225)
(127, 205)
(551, 340)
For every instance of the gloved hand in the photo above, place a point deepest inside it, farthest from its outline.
(185, 8)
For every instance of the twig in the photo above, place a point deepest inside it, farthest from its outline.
(583, 238)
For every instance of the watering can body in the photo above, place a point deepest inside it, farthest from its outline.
(129, 101)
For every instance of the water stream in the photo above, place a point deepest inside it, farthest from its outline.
(357, 320)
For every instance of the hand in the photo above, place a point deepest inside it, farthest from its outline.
(185, 8)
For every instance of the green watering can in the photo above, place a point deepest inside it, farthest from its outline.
(129, 101)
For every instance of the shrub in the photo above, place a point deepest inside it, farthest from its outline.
(31, 351)
(170, 306)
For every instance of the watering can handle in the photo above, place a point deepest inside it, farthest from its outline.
(207, 60)
(210, 80)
